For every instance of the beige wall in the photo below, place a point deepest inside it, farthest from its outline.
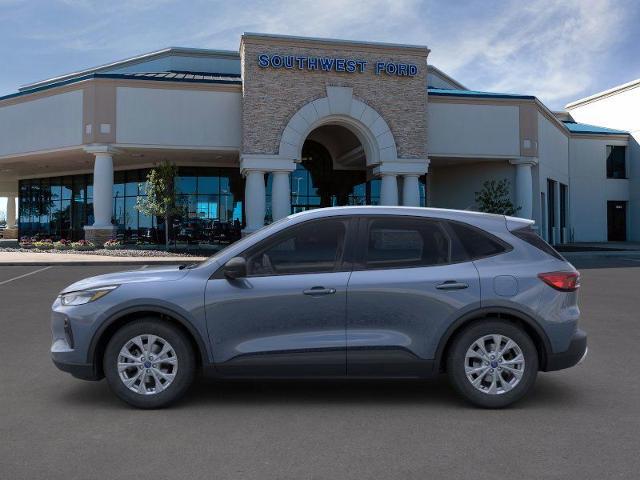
(473, 129)
(45, 123)
(272, 96)
(454, 186)
(172, 117)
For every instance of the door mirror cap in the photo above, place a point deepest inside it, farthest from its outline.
(235, 268)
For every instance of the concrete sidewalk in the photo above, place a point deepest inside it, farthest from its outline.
(36, 259)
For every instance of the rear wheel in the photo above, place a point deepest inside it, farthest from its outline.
(492, 363)
(149, 363)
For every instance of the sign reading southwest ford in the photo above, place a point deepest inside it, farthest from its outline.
(332, 64)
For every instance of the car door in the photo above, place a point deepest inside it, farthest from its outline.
(410, 282)
(287, 318)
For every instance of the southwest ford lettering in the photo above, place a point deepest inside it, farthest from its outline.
(331, 64)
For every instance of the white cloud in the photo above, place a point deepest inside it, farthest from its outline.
(548, 48)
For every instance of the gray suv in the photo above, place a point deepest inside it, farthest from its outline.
(357, 292)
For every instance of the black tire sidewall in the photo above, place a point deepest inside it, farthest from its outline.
(179, 342)
(456, 362)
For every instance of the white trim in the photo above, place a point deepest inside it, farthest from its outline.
(265, 163)
(605, 93)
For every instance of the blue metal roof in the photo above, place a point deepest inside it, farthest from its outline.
(188, 77)
(445, 92)
(575, 127)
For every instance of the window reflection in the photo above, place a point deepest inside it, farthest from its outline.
(211, 199)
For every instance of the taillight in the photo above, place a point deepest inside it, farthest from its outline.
(563, 281)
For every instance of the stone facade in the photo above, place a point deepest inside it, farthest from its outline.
(272, 96)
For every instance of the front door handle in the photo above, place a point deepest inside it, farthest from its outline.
(452, 285)
(317, 291)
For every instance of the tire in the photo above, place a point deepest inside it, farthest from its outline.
(467, 362)
(169, 377)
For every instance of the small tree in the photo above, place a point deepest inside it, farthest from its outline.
(160, 200)
(495, 198)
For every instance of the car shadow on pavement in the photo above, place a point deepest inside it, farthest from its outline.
(436, 392)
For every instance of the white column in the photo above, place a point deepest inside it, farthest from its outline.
(280, 195)
(410, 191)
(255, 200)
(11, 211)
(389, 189)
(103, 190)
(524, 187)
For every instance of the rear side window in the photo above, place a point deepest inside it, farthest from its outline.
(477, 243)
(406, 242)
(529, 235)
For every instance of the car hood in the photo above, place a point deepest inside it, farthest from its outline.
(156, 274)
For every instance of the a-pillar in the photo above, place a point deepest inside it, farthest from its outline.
(524, 185)
(102, 228)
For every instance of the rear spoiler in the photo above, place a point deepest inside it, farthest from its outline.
(514, 223)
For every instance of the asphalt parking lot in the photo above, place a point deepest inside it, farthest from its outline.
(581, 423)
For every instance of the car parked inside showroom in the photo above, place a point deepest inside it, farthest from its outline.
(346, 292)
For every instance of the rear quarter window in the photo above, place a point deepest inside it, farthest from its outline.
(476, 243)
(529, 235)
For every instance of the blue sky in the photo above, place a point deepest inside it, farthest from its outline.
(557, 50)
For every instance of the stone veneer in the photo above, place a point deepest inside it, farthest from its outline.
(272, 96)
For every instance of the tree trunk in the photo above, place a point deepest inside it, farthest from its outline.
(166, 232)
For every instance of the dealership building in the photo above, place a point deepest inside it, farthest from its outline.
(289, 123)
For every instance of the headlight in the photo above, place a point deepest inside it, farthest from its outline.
(85, 296)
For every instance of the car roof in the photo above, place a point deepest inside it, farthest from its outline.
(484, 220)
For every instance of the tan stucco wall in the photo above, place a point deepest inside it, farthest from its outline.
(272, 96)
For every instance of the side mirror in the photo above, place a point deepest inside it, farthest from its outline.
(235, 268)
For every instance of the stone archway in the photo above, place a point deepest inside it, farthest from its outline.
(339, 107)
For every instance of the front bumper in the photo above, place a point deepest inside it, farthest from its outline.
(576, 352)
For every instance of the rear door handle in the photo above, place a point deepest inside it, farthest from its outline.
(452, 285)
(317, 291)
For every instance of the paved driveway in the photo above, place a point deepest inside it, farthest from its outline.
(582, 423)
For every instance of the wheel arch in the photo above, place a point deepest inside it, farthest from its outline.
(530, 326)
(108, 328)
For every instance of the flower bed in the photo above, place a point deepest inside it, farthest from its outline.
(83, 245)
(113, 245)
(62, 245)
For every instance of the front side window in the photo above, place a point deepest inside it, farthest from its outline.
(616, 165)
(406, 242)
(313, 247)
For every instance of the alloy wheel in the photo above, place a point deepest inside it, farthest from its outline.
(494, 364)
(147, 364)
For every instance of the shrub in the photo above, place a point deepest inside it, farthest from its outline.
(112, 244)
(62, 245)
(26, 242)
(83, 245)
(43, 244)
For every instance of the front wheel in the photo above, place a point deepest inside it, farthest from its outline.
(149, 363)
(492, 363)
